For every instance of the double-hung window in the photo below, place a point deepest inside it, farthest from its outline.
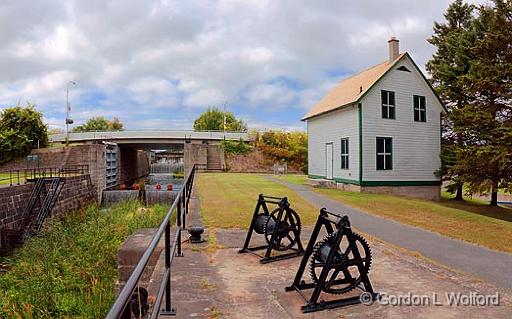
(344, 153)
(420, 108)
(388, 104)
(384, 153)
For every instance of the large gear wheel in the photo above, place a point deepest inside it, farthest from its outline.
(285, 237)
(343, 275)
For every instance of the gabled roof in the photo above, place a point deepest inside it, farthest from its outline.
(353, 88)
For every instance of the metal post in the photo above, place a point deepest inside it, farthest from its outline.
(178, 229)
(68, 110)
(168, 308)
(184, 211)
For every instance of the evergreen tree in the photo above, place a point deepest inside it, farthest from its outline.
(486, 120)
(449, 64)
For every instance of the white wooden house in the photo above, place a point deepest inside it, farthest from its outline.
(378, 131)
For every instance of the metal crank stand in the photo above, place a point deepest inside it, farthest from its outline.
(281, 228)
(331, 260)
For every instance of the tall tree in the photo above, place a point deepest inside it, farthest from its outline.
(486, 121)
(100, 124)
(21, 129)
(448, 66)
(213, 120)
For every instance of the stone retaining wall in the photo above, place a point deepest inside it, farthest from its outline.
(92, 155)
(254, 162)
(76, 194)
(12, 203)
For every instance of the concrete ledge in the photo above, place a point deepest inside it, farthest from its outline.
(114, 196)
(326, 183)
(428, 192)
(160, 197)
(129, 255)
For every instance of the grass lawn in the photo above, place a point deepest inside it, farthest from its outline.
(228, 199)
(294, 179)
(4, 179)
(471, 221)
(231, 199)
(71, 269)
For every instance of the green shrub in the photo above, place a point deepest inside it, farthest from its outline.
(290, 147)
(236, 147)
(71, 269)
(21, 129)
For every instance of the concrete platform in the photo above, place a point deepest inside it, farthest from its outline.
(213, 281)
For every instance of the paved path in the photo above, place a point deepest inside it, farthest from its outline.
(488, 264)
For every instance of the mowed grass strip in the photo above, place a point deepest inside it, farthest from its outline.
(294, 179)
(228, 199)
(465, 221)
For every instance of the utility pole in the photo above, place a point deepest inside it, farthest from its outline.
(68, 110)
(224, 120)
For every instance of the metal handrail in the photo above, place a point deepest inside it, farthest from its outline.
(16, 177)
(121, 308)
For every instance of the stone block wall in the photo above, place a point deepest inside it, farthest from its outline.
(134, 164)
(92, 155)
(255, 162)
(12, 204)
(76, 194)
(195, 154)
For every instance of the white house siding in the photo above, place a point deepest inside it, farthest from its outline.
(416, 145)
(332, 127)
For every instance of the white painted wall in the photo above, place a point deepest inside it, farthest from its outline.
(416, 145)
(330, 128)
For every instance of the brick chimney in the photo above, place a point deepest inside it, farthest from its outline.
(393, 49)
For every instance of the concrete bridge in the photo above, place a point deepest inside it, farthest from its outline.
(143, 139)
(124, 156)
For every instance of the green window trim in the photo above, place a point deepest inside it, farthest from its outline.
(344, 153)
(384, 153)
(388, 104)
(419, 106)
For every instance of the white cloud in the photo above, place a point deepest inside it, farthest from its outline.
(145, 55)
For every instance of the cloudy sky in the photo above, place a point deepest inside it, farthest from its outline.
(159, 63)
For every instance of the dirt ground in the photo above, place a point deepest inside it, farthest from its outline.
(213, 280)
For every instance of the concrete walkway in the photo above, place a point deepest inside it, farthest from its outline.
(214, 281)
(479, 261)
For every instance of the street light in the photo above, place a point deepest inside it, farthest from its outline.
(224, 119)
(68, 110)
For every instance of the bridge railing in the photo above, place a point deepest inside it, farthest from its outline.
(122, 307)
(24, 175)
(147, 134)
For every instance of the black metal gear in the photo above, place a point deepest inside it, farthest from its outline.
(340, 265)
(286, 229)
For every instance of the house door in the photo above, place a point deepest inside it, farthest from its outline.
(328, 161)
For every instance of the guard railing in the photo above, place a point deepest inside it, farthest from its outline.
(122, 307)
(24, 175)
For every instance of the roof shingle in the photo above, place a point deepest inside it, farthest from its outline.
(349, 90)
